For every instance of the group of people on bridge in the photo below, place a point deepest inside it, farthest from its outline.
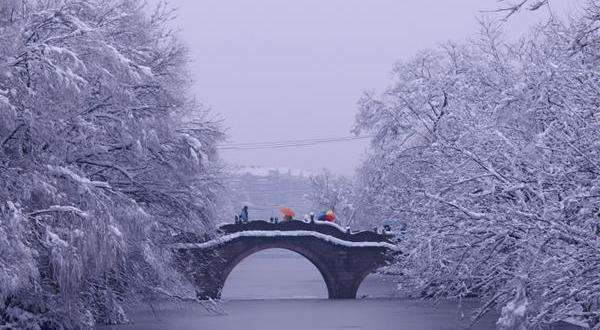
(288, 215)
(327, 216)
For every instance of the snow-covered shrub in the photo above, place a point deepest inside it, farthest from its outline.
(102, 155)
(490, 152)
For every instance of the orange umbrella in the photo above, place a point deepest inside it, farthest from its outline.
(287, 212)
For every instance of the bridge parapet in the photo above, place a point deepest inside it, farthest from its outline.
(322, 227)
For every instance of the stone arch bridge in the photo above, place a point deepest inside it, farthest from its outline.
(343, 258)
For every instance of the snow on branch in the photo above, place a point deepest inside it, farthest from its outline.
(472, 214)
(77, 178)
(60, 209)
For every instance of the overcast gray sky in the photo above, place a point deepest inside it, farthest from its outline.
(284, 70)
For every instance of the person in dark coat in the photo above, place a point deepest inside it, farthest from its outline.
(244, 214)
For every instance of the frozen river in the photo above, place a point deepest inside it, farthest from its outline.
(280, 290)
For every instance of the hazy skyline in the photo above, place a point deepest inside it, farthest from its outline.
(295, 70)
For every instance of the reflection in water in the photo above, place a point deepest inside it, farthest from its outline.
(283, 274)
(279, 273)
(274, 273)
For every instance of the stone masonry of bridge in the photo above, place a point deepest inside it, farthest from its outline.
(344, 259)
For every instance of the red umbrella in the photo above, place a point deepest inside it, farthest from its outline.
(330, 216)
(287, 212)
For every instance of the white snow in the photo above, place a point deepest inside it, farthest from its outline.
(279, 233)
(513, 314)
(68, 208)
(75, 177)
(4, 99)
(193, 142)
(56, 240)
(61, 208)
(331, 224)
(115, 230)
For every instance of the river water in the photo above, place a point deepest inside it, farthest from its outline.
(280, 290)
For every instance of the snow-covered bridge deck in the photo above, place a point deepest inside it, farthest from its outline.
(343, 258)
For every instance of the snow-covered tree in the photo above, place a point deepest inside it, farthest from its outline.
(510, 8)
(489, 150)
(103, 154)
(333, 192)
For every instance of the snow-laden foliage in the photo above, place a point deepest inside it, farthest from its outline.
(489, 151)
(102, 154)
(333, 192)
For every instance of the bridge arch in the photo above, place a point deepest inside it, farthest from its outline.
(307, 255)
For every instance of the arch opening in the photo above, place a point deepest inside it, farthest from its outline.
(377, 285)
(275, 273)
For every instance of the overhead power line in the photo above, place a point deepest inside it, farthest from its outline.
(289, 143)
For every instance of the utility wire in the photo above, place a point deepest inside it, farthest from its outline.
(289, 143)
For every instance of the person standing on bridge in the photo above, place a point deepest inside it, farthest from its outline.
(328, 216)
(244, 214)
